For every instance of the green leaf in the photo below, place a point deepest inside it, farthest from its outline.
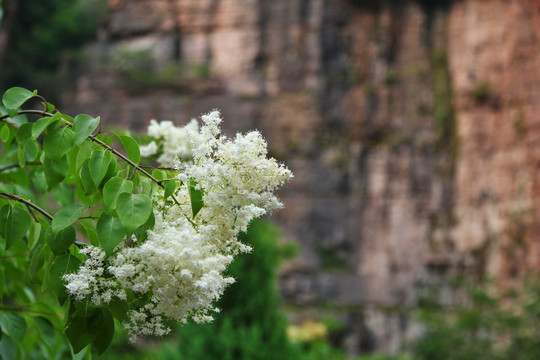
(89, 231)
(62, 265)
(36, 263)
(6, 134)
(142, 231)
(17, 120)
(86, 179)
(114, 187)
(17, 223)
(159, 174)
(103, 330)
(55, 170)
(58, 142)
(16, 96)
(66, 216)
(83, 316)
(119, 308)
(133, 210)
(83, 154)
(48, 333)
(8, 349)
(170, 186)
(62, 240)
(31, 151)
(98, 165)
(196, 198)
(24, 133)
(34, 234)
(20, 155)
(132, 148)
(63, 194)
(2, 283)
(110, 232)
(38, 179)
(41, 124)
(83, 126)
(13, 325)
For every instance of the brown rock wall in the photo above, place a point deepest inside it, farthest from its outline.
(411, 126)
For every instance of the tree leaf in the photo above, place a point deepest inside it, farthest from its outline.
(196, 197)
(86, 178)
(6, 134)
(83, 126)
(63, 194)
(119, 308)
(8, 349)
(62, 265)
(13, 325)
(36, 263)
(17, 223)
(58, 142)
(170, 186)
(142, 231)
(55, 170)
(82, 316)
(16, 96)
(114, 187)
(110, 232)
(98, 165)
(20, 155)
(66, 216)
(85, 150)
(24, 133)
(30, 151)
(47, 331)
(132, 148)
(103, 330)
(39, 182)
(133, 210)
(62, 240)
(41, 124)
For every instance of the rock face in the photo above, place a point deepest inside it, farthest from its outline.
(412, 128)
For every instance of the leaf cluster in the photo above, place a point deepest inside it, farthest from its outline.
(64, 185)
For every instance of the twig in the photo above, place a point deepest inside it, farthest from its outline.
(27, 203)
(20, 309)
(7, 167)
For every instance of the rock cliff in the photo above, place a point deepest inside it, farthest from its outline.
(412, 128)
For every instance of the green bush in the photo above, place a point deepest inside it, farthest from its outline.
(43, 34)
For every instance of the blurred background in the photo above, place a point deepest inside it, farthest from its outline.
(412, 128)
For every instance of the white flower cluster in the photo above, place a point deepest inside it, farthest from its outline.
(89, 280)
(173, 141)
(180, 267)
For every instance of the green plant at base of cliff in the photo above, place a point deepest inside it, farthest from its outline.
(485, 327)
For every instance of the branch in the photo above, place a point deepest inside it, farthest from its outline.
(27, 203)
(20, 309)
(7, 167)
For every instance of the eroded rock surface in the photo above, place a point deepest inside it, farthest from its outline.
(412, 128)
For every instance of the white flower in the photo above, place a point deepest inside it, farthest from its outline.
(149, 149)
(174, 140)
